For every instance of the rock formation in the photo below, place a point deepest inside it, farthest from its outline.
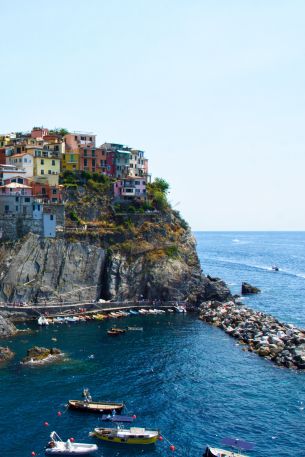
(152, 257)
(7, 328)
(41, 355)
(247, 289)
(284, 344)
(5, 354)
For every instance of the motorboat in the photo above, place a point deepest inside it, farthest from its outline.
(118, 330)
(57, 446)
(135, 329)
(134, 312)
(132, 435)
(275, 268)
(240, 445)
(42, 320)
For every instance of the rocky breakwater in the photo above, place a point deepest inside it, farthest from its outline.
(283, 344)
(41, 355)
(5, 354)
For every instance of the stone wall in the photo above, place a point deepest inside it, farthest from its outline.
(12, 228)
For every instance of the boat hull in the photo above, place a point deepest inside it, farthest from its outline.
(216, 452)
(96, 407)
(127, 440)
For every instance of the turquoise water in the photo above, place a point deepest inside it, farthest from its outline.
(190, 380)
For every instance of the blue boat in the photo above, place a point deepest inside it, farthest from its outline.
(240, 445)
(117, 418)
(132, 311)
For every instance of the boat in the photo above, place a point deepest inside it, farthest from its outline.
(170, 310)
(275, 268)
(71, 319)
(132, 435)
(117, 329)
(240, 445)
(104, 407)
(134, 312)
(135, 329)
(180, 309)
(116, 418)
(42, 320)
(57, 446)
(143, 311)
(113, 333)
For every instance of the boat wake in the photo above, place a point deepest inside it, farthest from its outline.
(260, 267)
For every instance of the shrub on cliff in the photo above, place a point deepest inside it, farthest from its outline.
(157, 194)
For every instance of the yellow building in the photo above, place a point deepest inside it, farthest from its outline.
(47, 169)
(71, 161)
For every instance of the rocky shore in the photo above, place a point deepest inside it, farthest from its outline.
(283, 344)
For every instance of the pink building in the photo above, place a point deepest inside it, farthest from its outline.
(76, 139)
(130, 188)
(39, 132)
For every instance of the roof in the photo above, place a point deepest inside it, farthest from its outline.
(21, 154)
(16, 185)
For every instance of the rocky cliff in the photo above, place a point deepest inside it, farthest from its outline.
(152, 256)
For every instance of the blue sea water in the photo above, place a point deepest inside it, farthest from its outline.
(188, 379)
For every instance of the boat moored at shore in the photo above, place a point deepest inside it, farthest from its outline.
(57, 446)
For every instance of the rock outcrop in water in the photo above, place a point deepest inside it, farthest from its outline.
(39, 355)
(283, 344)
(247, 289)
(7, 328)
(5, 354)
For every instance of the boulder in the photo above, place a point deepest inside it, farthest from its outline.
(247, 289)
(6, 354)
(7, 328)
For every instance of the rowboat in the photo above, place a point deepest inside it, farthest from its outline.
(118, 330)
(232, 442)
(103, 407)
(58, 447)
(132, 435)
(113, 333)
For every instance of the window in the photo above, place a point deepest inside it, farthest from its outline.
(27, 199)
(42, 161)
(51, 217)
(53, 163)
(16, 209)
(42, 172)
(93, 153)
(85, 152)
(6, 208)
(49, 172)
(85, 162)
(17, 199)
(93, 162)
(90, 138)
(54, 191)
(75, 138)
(43, 191)
(54, 200)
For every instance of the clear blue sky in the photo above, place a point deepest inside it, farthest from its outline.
(213, 91)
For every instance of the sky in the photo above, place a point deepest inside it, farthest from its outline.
(212, 90)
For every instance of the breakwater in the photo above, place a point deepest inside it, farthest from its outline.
(283, 344)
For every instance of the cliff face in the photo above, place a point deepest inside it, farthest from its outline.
(37, 269)
(152, 260)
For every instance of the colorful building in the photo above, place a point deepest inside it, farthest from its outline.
(130, 188)
(23, 161)
(71, 161)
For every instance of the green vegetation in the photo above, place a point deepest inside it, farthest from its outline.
(157, 194)
(59, 131)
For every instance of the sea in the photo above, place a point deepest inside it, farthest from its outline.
(191, 381)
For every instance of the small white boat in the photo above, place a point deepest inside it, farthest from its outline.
(143, 311)
(43, 320)
(180, 309)
(58, 447)
(71, 319)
